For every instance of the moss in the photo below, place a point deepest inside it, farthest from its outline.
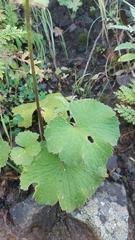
(83, 38)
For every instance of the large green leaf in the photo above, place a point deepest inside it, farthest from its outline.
(58, 182)
(89, 138)
(29, 148)
(4, 151)
(48, 107)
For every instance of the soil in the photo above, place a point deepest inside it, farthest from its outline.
(102, 66)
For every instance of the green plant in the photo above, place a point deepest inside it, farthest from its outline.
(7, 36)
(112, 13)
(83, 38)
(71, 4)
(11, 36)
(16, 83)
(70, 163)
(47, 23)
(128, 56)
(102, 7)
(127, 45)
(32, 65)
(92, 11)
(59, 33)
(48, 30)
(127, 98)
(10, 15)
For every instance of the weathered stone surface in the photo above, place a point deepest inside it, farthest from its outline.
(35, 222)
(23, 212)
(106, 212)
(103, 217)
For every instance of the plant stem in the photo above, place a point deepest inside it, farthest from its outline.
(5, 129)
(28, 27)
(13, 167)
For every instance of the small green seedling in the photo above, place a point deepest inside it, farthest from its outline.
(71, 4)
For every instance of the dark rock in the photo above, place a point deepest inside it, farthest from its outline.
(72, 27)
(133, 197)
(115, 176)
(39, 222)
(124, 79)
(43, 86)
(54, 80)
(85, 20)
(124, 157)
(80, 73)
(112, 163)
(104, 217)
(118, 170)
(132, 184)
(61, 17)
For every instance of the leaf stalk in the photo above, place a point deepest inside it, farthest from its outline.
(29, 34)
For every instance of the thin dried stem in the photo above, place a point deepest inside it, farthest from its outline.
(28, 27)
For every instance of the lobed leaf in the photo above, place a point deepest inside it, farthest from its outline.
(71, 4)
(58, 182)
(29, 148)
(50, 104)
(89, 138)
(26, 110)
(48, 109)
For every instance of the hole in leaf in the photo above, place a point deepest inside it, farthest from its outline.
(68, 113)
(90, 139)
(72, 122)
